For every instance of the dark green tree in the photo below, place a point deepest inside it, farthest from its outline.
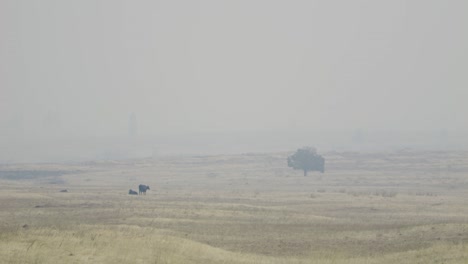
(306, 159)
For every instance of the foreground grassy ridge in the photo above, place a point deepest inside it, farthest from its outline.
(130, 244)
(240, 209)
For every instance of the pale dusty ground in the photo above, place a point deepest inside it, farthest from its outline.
(406, 207)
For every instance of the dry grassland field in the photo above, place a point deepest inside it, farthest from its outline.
(396, 207)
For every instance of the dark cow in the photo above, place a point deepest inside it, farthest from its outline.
(142, 189)
(132, 192)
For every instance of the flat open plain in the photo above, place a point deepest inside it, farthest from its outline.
(395, 207)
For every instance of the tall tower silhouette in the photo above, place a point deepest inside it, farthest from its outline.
(132, 126)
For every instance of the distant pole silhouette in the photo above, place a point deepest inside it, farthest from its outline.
(132, 126)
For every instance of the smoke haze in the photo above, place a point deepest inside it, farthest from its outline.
(117, 79)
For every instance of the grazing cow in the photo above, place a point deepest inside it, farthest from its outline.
(132, 192)
(142, 189)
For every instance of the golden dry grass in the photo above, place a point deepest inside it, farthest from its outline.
(367, 208)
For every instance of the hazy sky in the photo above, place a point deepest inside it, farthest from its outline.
(80, 68)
